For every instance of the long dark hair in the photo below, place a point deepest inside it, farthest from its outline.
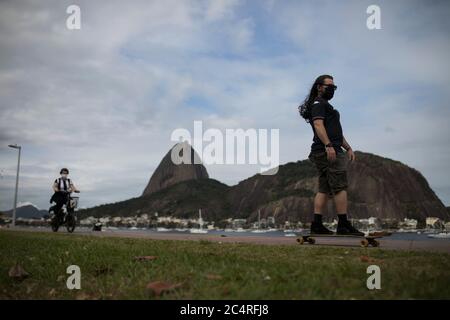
(305, 108)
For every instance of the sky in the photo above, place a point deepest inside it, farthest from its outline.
(103, 100)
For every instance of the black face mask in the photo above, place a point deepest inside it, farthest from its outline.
(328, 93)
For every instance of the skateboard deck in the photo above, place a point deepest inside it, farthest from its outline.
(365, 240)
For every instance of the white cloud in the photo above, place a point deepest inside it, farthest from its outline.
(220, 9)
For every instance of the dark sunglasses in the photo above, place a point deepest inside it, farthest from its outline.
(330, 85)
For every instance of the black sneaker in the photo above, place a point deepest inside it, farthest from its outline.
(346, 228)
(319, 228)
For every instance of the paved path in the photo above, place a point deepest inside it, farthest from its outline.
(386, 243)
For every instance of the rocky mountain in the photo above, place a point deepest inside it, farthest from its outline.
(27, 211)
(379, 187)
(168, 173)
(180, 200)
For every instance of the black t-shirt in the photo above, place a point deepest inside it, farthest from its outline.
(321, 109)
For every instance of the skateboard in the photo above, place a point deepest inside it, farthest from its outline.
(365, 240)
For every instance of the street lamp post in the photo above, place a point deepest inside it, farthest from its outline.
(15, 146)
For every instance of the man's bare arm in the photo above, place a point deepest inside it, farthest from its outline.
(322, 134)
(321, 131)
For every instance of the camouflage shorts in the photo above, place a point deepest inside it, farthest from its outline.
(332, 175)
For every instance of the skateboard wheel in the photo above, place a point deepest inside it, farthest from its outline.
(300, 240)
(311, 240)
(364, 243)
(375, 243)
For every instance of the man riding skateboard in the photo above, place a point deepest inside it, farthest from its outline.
(328, 156)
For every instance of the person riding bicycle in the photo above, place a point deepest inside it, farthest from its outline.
(62, 187)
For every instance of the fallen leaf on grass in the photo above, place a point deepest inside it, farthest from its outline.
(365, 259)
(369, 259)
(29, 289)
(18, 272)
(226, 291)
(82, 296)
(211, 276)
(159, 287)
(145, 258)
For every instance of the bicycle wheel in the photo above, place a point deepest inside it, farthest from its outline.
(54, 224)
(70, 223)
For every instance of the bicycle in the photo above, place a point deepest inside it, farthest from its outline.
(64, 216)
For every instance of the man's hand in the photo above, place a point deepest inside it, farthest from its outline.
(322, 133)
(331, 154)
(351, 155)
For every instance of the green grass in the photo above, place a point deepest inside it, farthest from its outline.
(109, 270)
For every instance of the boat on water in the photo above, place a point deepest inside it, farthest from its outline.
(200, 223)
(290, 235)
(194, 230)
(259, 230)
(401, 230)
(440, 235)
(300, 230)
(161, 229)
